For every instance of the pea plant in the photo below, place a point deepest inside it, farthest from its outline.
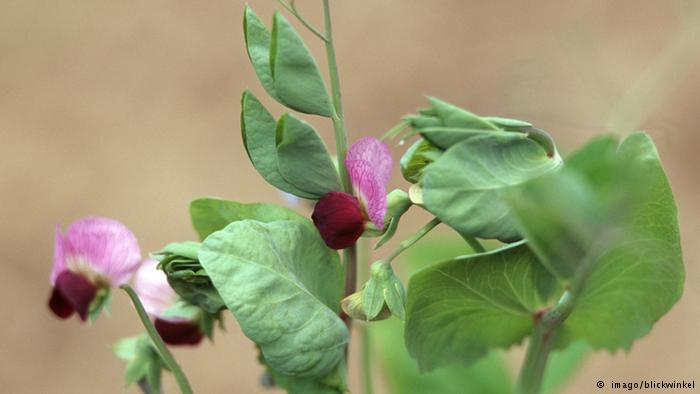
(577, 249)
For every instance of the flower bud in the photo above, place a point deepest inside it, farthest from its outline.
(352, 306)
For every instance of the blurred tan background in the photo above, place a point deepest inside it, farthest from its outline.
(130, 110)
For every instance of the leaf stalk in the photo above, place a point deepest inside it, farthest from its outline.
(160, 346)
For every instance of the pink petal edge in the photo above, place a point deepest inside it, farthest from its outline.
(153, 288)
(375, 152)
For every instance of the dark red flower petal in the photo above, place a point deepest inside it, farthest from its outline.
(72, 293)
(338, 217)
(59, 305)
(178, 333)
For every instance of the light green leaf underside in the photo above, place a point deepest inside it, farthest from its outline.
(284, 286)
(333, 383)
(464, 186)
(460, 309)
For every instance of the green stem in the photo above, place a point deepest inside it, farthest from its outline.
(405, 244)
(341, 138)
(293, 10)
(341, 149)
(396, 130)
(474, 244)
(541, 344)
(532, 372)
(367, 360)
(160, 346)
(363, 274)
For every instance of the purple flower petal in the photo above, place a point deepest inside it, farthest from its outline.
(369, 164)
(103, 246)
(375, 152)
(178, 332)
(73, 292)
(370, 189)
(338, 217)
(153, 288)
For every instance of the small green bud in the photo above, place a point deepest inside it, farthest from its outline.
(352, 306)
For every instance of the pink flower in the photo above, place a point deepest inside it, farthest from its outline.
(157, 297)
(341, 217)
(95, 253)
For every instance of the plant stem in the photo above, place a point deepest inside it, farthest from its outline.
(363, 274)
(341, 138)
(405, 244)
(341, 149)
(474, 244)
(532, 372)
(541, 344)
(350, 261)
(367, 360)
(293, 10)
(396, 130)
(160, 346)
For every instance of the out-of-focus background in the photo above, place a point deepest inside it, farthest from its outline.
(130, 110)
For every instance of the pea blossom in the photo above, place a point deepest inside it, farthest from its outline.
(157, 297)
(94, 254)
(340, 217)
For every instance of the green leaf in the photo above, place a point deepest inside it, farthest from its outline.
(445, 124)
(297, 79)
(210, 214)
(461, 309)
(259, 130)
(257, 40)
(416, 158)
(284, 286)
(143, 363)
(508, 124)
(284, 65)
(333, 383)
(303, 159)
(489, 375)
(625, 249)
(464, 187)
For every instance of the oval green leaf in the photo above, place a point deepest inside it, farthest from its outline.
(303, 159)
(257, 42)
(297, 80)
(283, 285)
(259, 131)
